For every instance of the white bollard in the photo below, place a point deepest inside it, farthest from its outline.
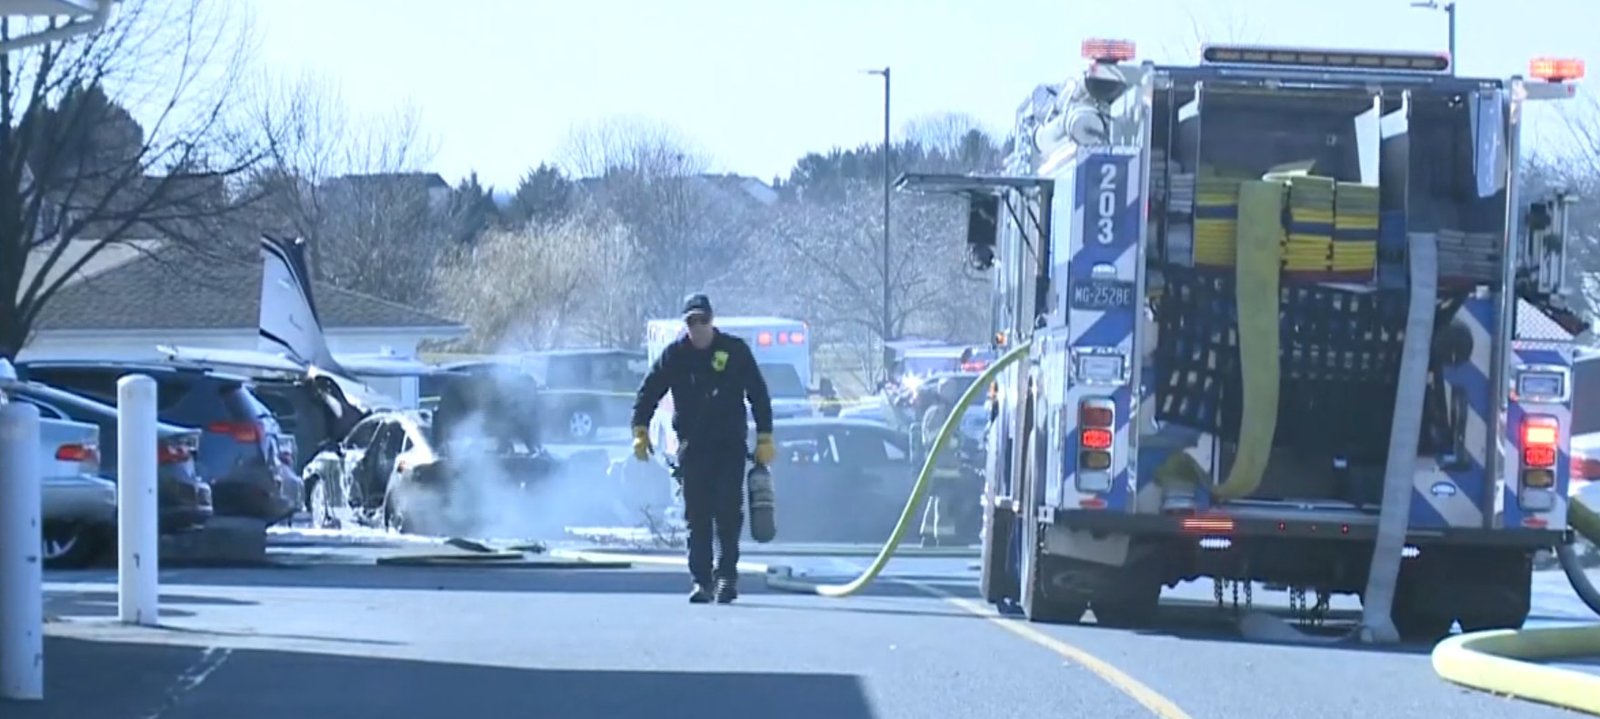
(21, 571)
(138, 529)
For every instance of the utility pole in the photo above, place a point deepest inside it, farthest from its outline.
(888, 180)
(1449, 9)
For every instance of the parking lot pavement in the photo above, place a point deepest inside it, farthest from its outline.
(350, 640)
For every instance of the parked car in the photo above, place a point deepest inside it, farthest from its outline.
(77, 508)
(79, 513)
(238, 446)
(587, 389)
(184, 499)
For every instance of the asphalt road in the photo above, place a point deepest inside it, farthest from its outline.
(354, 640)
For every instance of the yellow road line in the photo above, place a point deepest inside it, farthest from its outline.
(1132, 688)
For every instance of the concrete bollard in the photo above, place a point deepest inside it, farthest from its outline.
(21, 568)
(138, 528)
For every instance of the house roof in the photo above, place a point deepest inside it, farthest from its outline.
(175, 288)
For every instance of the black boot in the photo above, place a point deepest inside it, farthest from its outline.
(701, 594)
(727, 591)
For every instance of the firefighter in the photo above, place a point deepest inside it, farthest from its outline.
(710, 375)
(939, 514)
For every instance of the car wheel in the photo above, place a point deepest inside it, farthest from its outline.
(318, 506)
(581, 424)
(68, 545)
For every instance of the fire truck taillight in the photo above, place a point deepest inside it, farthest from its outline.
(1541, 444)
(1540, 435)
(1096, 434)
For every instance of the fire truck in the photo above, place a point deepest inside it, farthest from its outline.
(1221, 271)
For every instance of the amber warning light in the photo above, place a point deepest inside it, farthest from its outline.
(1555, 69)
(1108, 50)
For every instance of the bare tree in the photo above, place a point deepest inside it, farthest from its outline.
(943, 133)
(1575, 168)
(546, 285)
(70, 187)
(832, 250)
(362, 233)
(689, 230)
(1218, 23)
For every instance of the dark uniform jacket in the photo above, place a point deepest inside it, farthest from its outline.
(708, 391)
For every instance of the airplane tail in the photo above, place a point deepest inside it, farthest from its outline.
(289, 320)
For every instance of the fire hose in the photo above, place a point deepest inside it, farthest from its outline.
(782, 577)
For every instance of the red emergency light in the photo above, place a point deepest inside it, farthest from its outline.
(1556, 69)
(1108, 51)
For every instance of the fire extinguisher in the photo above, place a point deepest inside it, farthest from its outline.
(763, 504)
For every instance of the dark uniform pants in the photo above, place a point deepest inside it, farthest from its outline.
(713, 506)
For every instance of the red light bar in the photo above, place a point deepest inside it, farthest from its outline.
(1556, 69)
(1101, 50)
(764, 339)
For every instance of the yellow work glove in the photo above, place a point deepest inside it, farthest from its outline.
(765, 450)
(641, 443)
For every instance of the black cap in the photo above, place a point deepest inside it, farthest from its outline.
(696, 304)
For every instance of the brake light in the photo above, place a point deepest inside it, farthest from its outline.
(245, 432)
(169, 453)
(1540, 435)
(81, 453)
(1101, 50)
(1096, 438)
(1556, 69)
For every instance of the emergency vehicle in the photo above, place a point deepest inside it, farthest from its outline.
(1214, 268)
(782, 348)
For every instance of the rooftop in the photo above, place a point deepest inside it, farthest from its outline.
(172, 287)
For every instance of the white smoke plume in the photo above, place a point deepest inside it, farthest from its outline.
(503, 481)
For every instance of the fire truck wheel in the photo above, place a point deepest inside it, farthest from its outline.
(999, 577)
(1416, 618)
(1129, 598)
(1502, 597)
(1040, 576)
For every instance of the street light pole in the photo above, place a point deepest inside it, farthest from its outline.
(1449, 9)
(887, 180)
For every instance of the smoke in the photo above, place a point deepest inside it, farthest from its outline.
(496, 478)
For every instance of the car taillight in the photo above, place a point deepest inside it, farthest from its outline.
(80, 453)
(245, 432)
(169, 453)
(1585, 467)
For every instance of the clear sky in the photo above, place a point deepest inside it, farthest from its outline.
(757, 83)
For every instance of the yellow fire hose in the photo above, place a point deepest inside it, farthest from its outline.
(1503, 662)
(782, 577)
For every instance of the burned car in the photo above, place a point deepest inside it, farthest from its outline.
(435, 473)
